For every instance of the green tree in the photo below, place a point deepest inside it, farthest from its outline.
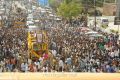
(54, 4)
(110, 1)
(68, 1)
(69, 9)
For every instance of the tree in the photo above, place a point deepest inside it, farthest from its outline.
(69, 9)
(110, 1)
(68, 1)
(54, 4)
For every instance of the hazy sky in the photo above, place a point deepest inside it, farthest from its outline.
(43, 2)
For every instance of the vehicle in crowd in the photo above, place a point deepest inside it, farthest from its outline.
(103, 21)
(37, 44)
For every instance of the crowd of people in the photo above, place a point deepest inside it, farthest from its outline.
(13, 45)
(77, 52)
(71, 51)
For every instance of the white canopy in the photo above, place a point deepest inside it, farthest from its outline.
(91, 32)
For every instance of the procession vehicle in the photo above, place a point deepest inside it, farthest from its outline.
(37, 44)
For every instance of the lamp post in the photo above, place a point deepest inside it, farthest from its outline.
(95, 13)
(86, 12)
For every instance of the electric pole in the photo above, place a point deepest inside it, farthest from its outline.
(95, 12)
(86, 12)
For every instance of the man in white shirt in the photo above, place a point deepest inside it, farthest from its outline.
(54, 52)
(1, 68)
(61, 64)
(45, 69)
(116, 52)
(24, 67)
(112, 54)
(38, 65)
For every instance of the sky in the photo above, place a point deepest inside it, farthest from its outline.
(43, 2)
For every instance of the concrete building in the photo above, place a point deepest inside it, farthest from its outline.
(109, 9)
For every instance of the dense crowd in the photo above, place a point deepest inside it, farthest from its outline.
(72, 51)
(77, 52)
(13, 46)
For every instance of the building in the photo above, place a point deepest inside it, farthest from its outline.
(109, 9)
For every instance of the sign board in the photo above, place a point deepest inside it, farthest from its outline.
(117, 21)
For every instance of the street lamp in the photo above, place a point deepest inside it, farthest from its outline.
(86, 12)
(95, 13)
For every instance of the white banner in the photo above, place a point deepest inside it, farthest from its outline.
(39, 37)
